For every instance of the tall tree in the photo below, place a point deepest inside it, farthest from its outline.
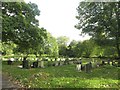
(20, 26)
(101, 21)
(51, 46)
(62, 44)
(88, 46)
(71, 52)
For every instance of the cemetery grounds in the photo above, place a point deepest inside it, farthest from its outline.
(64, 76)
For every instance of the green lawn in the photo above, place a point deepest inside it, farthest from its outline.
(63, 77)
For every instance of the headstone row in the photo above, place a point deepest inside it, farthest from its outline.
(87, 67)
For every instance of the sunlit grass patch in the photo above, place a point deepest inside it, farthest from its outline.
(64, 77)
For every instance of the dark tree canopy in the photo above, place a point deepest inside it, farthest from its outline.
(20, 26)
(101, 21)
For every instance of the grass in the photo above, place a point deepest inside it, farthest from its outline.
(63, 77)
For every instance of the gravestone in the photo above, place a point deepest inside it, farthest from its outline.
(82, 67)
(109, 61)
(25, 63)
(98, 65)
(103, 63)
(9, 62)
(90, 66)
(42, 64)
(56, 63)
(87, 67)
(35, 64)
(79, 67)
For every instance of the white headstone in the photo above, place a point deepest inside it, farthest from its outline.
(78, 67)
(42, 64)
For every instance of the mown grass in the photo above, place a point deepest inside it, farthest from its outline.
(63, 76)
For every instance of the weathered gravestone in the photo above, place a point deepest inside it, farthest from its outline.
(98, 64)
(25, 63)
(42, 64)
(35, 64)
(9, 62)
(79, 67)
(82, 67)
(56, 63)
(103, 63)
(108, 61)
(88, 67)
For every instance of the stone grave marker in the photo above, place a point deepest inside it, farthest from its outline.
(9, 62)
(25, 63)
(82, 67)
(108, 61)
(42, 64)
(90, 66)
(103, 62)
(86, 67)
(56, 63)
(35, 64)
(79, 67)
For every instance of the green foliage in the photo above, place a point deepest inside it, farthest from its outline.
(7, 48)
(51, 46)
(88, 47)
(62, 40)
(71, 52)
(101, 21)
(21, 27)
(62, 44)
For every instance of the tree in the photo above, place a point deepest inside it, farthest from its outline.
(62, 44)
(51, 46)
(79, 49)
(21, 27)
(88, 46)
(7, 48)
(100, 20)
(71, 52)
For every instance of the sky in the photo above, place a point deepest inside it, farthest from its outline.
(58, 17)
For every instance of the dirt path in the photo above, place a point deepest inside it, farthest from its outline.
(6, 83)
